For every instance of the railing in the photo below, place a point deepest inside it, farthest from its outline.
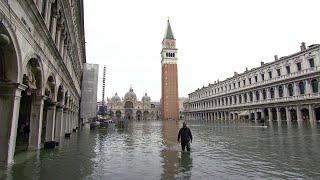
(269, 81)
(265, 101)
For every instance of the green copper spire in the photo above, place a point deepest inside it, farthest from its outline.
(169, 34)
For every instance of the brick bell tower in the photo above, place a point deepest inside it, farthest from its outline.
(169, 78)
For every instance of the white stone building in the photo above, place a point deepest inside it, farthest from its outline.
(130, 108)
(41, 54)
(286, 89)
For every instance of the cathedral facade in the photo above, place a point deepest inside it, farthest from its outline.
(131, 108)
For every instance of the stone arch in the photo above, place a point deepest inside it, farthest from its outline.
(293, 114)
(283, 114)
(305, 114)
(146, 115)
(8, 41)
(118, 114)
(33, 75)
(128, 104)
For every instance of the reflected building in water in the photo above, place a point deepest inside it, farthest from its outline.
(174, 162)
(286, 89)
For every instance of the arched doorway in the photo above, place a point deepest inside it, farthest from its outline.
(139, 115)
(305, 114)
(10, 90)
(128, 114)
(146, 115)
(274, 114)
(293, 114)
(128, 105)
(118, 114)
(152, 115)
(31, 105)
(111, 114)
(283, 114)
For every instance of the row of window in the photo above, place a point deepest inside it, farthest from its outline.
(250, 80)
(261, 94)
(169, 54)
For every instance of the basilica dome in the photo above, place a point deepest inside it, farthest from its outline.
(130, 96)
(116, 98)
(146, 98)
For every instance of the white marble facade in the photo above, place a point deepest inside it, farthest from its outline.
(42, 50)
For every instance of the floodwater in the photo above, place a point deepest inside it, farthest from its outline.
(149, 150)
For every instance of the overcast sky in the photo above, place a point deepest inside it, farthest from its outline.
(214, 38)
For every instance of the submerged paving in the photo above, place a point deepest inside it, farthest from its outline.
(149, 150)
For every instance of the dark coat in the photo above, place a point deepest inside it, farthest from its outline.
(185, 135)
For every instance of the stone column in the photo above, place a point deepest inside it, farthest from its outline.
(50, 126)
(70, 122)
(299, 118)
(54, 24)
(47, 13)
(268, 94)
(255, 115)
(66, 120)
(9, 108)
(270, 114)
(276, 92)
(58, 36)
(285, 91)
(288, 114)
(308, 87)
(261, 95)
(254, 97)
(61, 45)
(36, 122)
(59, 123)
(312, 116)
(278, 114)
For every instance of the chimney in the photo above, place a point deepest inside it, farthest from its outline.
(276, 57)
(303, 46)
(246, 69)
(262, 63)
(235, 73)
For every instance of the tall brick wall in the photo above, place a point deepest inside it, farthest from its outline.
(169, 100)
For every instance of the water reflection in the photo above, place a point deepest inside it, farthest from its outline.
(150, 150)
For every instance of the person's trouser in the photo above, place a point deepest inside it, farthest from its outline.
(184, 145)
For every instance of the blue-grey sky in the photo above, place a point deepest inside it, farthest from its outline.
(214, 38)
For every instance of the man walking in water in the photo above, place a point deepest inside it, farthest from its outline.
(185, 137)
